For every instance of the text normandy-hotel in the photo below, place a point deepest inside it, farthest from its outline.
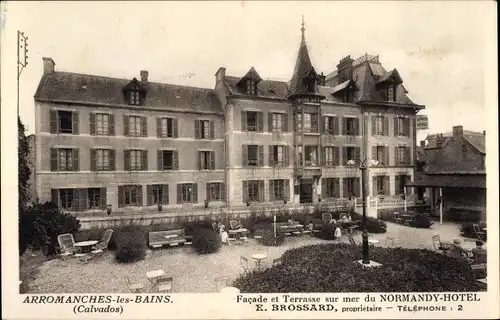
(130, 144)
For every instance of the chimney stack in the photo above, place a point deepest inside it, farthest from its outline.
(48, 65)
(220, 75)
(344, 69)
(422, 143)
(321, 79)
(439, 140)
(144, 76)
(458, 131)
(484, 132)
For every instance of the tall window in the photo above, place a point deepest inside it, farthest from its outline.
(134, 97)
(66, 198)
(102, 124)
(400, 183)
(278, 156)
(332, 188)
(277, 122)
(380, 154)
(167, 127)
(278, 189)
(299, 155)
(311, 155)
(350, 126)
(136, 159)
(379, 125)
(187, 193)
(65, 159)
(207, 162)
(94, 198)
(253, 155)
(401, 156)
(351, 187)
(331, 156)
(331, 125)
(308, 123)
(130, 195)
(65, 121)
(251, 87)
(253, 190)
(252, 121)
(215, 191)
(167, 160)
(134, 126)
(205, 129)
(103, 162)
(391, 93)
(157, 193)
(381, 185)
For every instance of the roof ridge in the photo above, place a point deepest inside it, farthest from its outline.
(126, 79)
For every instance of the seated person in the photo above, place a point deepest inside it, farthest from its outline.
(291, 222)
(333, 221)
(238, 225)
(457, 250)
(479, 253)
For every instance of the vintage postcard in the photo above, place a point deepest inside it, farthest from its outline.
(249, 160)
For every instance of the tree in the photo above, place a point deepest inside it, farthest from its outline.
(23, 186)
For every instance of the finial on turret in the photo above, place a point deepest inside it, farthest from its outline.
(303, 29)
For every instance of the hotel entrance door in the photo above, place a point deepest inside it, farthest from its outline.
(306, 191)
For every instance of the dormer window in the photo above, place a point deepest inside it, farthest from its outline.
(391, 92)
(251, 87)
(134, 96)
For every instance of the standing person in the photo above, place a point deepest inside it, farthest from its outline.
(223, 234)
(338, 233)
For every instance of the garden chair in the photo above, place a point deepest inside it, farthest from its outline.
(389, 242)
(277, 261)
(481, 235)
(326, 217)
(397, 218)
(102, 245)
(133, 287)
(66, 245)
(244, 264)
(221, 282)
(440, 246)
(351, 240)
(164, 284)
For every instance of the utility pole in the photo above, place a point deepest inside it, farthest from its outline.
(22, 59)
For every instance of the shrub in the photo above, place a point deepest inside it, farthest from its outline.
(462, 215)
(40, 224)
(421, 221)
(206, 241)
(372, 225)
(191, 227)
(327, 231)
(269, 239)
(131, 246)
(332, 268)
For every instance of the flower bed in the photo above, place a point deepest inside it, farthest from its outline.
(332, 268)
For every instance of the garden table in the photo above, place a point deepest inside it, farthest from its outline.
(85, 246)
(153, 277)
(230, 290)
(258, 258)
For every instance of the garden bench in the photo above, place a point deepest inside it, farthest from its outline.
(158, 239)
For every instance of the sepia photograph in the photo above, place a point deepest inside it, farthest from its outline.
(251, 148)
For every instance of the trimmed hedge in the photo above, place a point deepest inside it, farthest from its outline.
(131, 246)
(206, 241)
(421, 221)
(332, 268)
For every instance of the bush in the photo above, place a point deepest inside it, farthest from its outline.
(332, 268)
(206, 241)
(372, 225)
(40, 224)
(131, 246)
(327, 231)
(421, 221)
(268, 238)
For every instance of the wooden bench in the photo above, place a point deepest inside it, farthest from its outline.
(288, 229)
(158, 239)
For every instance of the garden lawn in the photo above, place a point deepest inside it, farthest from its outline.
(196, 273)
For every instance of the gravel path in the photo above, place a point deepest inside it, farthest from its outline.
(196, 273)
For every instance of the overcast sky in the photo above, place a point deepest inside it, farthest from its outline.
(438, 47)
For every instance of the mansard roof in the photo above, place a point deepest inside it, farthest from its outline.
(67, 87)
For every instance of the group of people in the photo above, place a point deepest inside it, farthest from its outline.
(476, 255)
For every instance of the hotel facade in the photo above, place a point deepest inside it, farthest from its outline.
(130, 144)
